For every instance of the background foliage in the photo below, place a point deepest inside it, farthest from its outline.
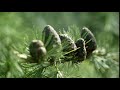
(17, 29)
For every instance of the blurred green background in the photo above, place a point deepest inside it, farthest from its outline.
(16, 27)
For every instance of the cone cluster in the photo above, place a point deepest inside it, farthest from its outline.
(79, 50)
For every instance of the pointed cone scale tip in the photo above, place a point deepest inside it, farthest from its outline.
(81, 52)
(50, 38)
(90, 40)
(79, 42)
(67, 40)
